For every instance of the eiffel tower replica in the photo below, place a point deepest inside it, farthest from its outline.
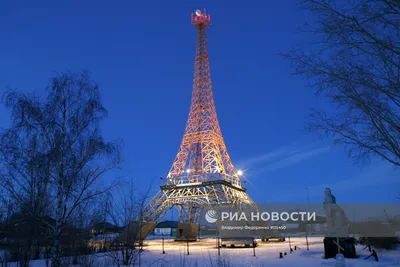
(202, 173)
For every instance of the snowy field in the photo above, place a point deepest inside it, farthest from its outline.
(205, 253)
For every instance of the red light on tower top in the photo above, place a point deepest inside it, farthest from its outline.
(201, 19)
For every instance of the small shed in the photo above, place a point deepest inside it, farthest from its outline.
(166, 228)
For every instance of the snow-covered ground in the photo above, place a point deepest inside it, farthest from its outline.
(205, 253)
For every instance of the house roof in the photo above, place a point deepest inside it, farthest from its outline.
(318, 219)
(103, 225)
(18, 226)
(167, 224)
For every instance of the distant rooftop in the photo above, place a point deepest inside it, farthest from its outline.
(167, 224)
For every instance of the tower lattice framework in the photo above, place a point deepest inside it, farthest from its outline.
(202, 173)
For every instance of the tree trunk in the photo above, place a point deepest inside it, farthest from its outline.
(56, 257)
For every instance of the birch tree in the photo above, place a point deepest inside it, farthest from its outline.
(353, 62)
(71, 154)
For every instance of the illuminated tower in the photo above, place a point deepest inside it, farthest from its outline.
(202, 153)
(202, 173)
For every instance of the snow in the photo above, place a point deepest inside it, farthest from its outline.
(204, 253)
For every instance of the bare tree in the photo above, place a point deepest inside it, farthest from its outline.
(81, 219)
(25, 180)
(355, 64)
(7, 206)
(71, 154)
(126, 212)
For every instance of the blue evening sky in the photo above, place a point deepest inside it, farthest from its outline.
(142, 55)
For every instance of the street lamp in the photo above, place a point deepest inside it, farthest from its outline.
(163, 251)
